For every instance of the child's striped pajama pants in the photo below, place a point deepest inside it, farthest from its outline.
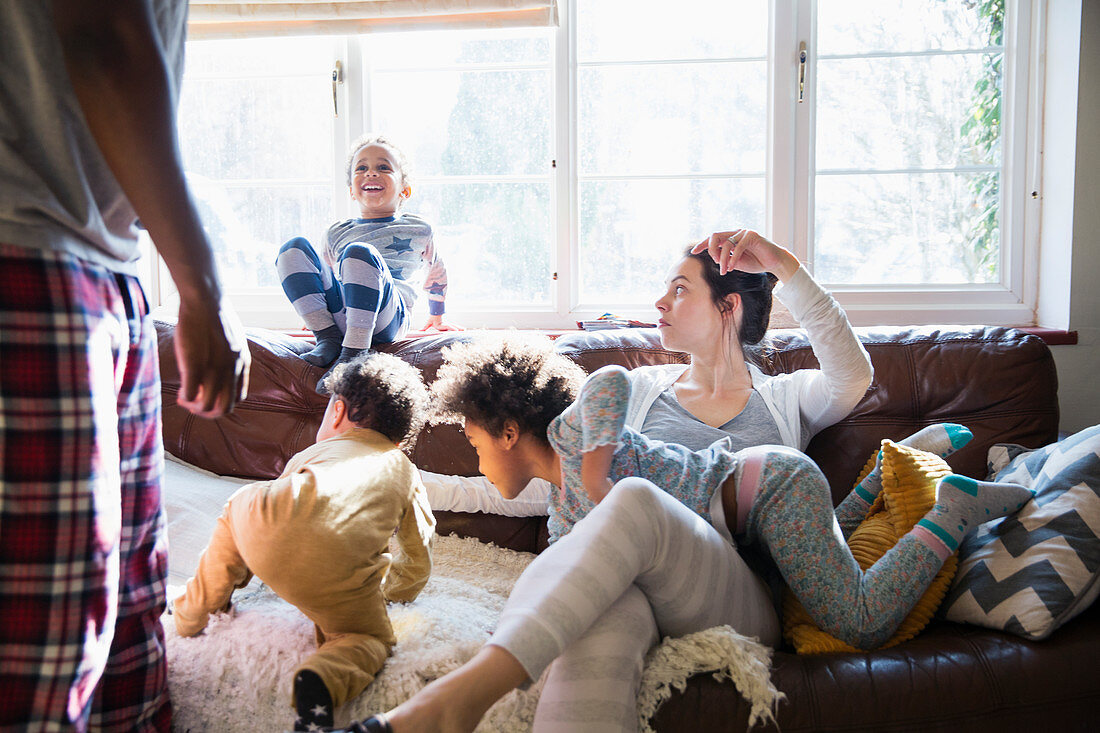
(359, 297)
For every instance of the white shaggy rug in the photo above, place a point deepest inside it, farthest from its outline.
(236, 675)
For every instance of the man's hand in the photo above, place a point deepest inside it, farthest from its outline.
(213, 358)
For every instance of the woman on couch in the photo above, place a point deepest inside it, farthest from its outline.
(716, 308)
(710, 313)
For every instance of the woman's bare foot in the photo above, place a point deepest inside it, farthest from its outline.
(456, 702)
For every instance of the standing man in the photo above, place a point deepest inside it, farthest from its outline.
(88, 93)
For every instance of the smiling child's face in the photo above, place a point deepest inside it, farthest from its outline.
(377, 184)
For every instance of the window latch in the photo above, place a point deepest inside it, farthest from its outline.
(801, 72)
(337, 78)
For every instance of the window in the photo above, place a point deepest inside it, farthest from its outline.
(672, 127)
(907, 153)
(476, 110)
(563, 168)
(260, 148)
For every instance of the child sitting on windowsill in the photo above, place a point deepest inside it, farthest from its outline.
(319, 534)
(363, 287)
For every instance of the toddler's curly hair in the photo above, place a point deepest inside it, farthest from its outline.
(382, 393)
(492, 380)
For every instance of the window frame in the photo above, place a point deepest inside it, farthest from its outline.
(789, 187)
(1012, 300)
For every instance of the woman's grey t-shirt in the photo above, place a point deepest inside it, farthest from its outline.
(669, 422)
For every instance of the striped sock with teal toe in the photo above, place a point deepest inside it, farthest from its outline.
(963, 503)
(943, 439)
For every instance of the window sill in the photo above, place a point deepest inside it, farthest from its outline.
(1052, 336)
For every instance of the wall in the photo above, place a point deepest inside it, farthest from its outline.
(1079, 365)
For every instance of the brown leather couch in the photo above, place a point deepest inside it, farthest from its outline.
(1001, 383)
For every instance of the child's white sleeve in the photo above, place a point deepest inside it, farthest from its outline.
(476, 494)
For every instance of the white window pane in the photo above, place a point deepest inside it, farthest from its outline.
(906, 229)
(693, 118)
(445, 49)
(467, 122)
(494, 238)
(257, 136)
(617, 30)
(861, 26)
(247, 224)
(906, 112)
(914, 111)
(247, 128)
(632, 231)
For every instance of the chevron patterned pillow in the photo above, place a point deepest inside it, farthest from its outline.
(1032, 572)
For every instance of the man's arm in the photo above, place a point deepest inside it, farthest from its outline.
(119, 75)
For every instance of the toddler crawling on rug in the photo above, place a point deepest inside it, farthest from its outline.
(318, 535)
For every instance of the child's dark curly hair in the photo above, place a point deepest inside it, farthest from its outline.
(382, 393)
(491, 380)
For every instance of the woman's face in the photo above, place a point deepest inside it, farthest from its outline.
(689, 320)
(496, 461)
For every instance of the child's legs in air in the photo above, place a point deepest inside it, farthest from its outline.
(943, 439)
(792, 515)
(311, 287)
(375, 311)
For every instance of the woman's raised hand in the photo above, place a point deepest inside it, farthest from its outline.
(745, 250)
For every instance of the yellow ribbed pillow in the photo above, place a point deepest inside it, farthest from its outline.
(909, 479)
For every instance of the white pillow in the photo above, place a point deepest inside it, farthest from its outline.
(476, 494)
(193, 501)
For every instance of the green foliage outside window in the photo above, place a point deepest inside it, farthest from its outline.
(982, 130)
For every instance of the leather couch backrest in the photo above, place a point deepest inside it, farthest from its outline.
(1001, 383)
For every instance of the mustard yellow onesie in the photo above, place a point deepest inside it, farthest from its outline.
(318, 536)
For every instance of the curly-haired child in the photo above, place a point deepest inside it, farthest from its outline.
(319, 534)
(363, 286)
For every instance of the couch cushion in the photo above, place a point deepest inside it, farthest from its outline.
(909, 479)
(999, 382)
(951, 678)
(1032, 572)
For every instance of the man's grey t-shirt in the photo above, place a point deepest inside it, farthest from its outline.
(56, 191)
